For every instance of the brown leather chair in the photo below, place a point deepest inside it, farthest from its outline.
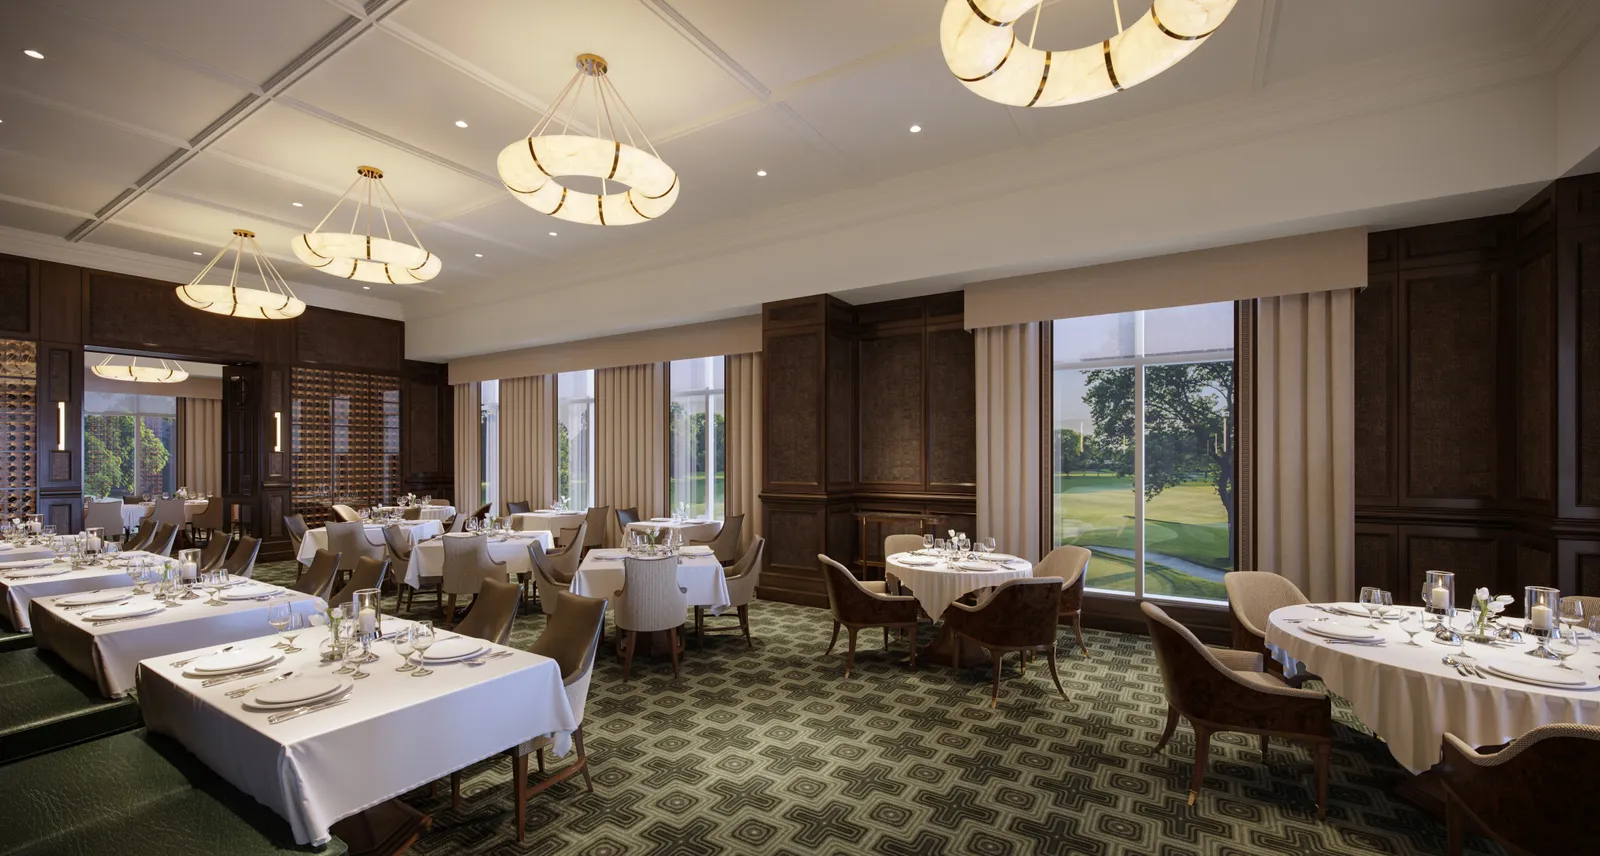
(856, 605)
(317, 581)
(624, 517)
(726, 544)
(1222, 690)
(242, 561)
(1522, 795)
(141, 536)
(343, 513)
(368, 573)
(161, 543)
(492, 612)
(518, 508)
(1019, 615)
(1071, 564)
(210, 521)
(481, 513)
(594, 521)
(411, 512)
(1252, 596)
(215, 552)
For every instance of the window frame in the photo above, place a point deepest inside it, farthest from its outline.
(706, 395)
(562, 403)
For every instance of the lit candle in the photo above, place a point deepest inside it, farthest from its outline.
(1439, 598)
(189, 572)
(369, 621)
(1540, 618)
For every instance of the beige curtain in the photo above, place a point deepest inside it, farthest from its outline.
(1305, 442)
(630, 443)
(1010, 467)
(527, 440)
(200, 445)
(469, 457)
(742, 455)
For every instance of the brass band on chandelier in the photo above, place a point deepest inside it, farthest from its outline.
(973, 5)
(243, 233)
(371, 257)
(996, 68)
(1111, 70)
(1163, 28)
(1043, 79)
(669, 189)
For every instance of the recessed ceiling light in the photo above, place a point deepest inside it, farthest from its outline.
(461, 123)
(197, 252)
(916, 129)
(366, 288)
(761, 172)
(33, 53)
(298, 204)
(552, 234)
(479, 255)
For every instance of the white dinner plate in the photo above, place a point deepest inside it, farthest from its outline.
(697, 550)
(247, 592)
(917, 561)
(1342, 631)
(1354, 609)
(26, 563)
(303, 689)
(134, 554)
(90, 597)
(1538, 674)
(459, 648)
(36, 572)
(660, 520)
(126, 610)
(274, 657)
(233, 661)
(524, 533)
(979, 565)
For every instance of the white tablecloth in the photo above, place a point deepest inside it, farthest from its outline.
(132, 514)
(317, 539)
(939, 585)
(689, 530)
(110, 652)
(553, 521)
(1410, 698)
(601, 575)
(429, 512)
(19, 591)
(397, 732)
(25, 554)
(427, 560)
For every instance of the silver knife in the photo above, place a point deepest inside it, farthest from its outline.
(211, 682)
(246, 690)
(101, 622)
(302, 711)
(189, 660)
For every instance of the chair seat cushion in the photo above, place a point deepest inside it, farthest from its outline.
(45, 705)
(876, 586)
(1264, 680)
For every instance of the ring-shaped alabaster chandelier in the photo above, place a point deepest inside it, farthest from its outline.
(162, 372)
(532, 168)
(273, 303)
(365, 256)
(982, 50)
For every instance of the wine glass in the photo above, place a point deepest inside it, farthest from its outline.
(402, 646)
(1571, 613)
(927, 541)
(938, 544)
(1385, 604)
(422, 638)
(1411, 624)
(278, 617)
(1564, 643)
(1371, 599)
(297, 623)
(355, 655)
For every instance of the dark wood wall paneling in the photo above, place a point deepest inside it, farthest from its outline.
(66, 309)
(1477, 433)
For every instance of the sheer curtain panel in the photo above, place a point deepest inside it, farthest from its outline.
(200, 445)
(1010, 437)
(469, 458)
(630, 446)
(527, 440)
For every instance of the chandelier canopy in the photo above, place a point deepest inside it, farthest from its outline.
(982, 50)
(275, 302)
(531, 168)
(162, 372)
(366, 256)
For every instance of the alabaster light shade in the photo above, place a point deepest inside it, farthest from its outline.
(274, 302)
(530, 168)
(368, 257)
(982, 49)
(161, 371)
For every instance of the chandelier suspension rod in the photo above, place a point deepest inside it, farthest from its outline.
(336, 206)
(403, 220)
(1038, 12)
(550, 112)
(1116, 6)
(624, 103)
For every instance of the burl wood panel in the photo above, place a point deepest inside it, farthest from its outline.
(1374, 382)
(1535, 372)
(422, 424)
(140, 313)
(794, 445)
(1535, 567)
(1375, 566)
(1588, 574)
(1588, 357)
(841, 410)
(952, 417)
(1452, 408)
(326, 337)
(16, 306)
(1472, 560)
(793, 539)
(891, 409)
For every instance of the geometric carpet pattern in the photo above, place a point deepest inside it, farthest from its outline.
(770, 750)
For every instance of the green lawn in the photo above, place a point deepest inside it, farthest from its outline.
(1187, 522)
(692, 489)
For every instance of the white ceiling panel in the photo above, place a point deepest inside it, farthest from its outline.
(53, 183)
(245, 38)
(36, 219)
(224, 182)
(512, 222)
(100, 151)
(103, 74)
(183, 251)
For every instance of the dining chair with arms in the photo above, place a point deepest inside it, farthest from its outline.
(368, 574)
(594, 528)
(242, 561)
(171, 511)
(1018, 615)
(295, 525)
(1071, 564)
(161, 542)
(625, 516)
(857, 605)
(1522, 794)
(726, 544)
(318, 578)
(518, 508)
(104, 514)
(1224, 690)
(445, 503)
(565, 561)
(351, 541)
(571, 538)
(1252, 596)
(1590, 604)
(141, 536)
(209, 521)
(411, 512)
(547, 580)
(481, 513)
(457, 523)
(344, 513)
(649, 601)
(467, 564)
(133, 498)
(893, 544)
(398, 540)
(741, 579)
(215, 552)
(492, 612)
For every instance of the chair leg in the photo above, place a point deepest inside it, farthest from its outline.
(1050, 653)
(1172, 726)
(1202, 751)
(538, 757)
(886, 639)
(1454, 827)
(450, 613)
(700, 628)
(994, 696)
(850, 655)
(1264, 746)
(744, 624)
(834, 641)
(1324, 756)
(672, 640)
(627, 653)
(583, 759)
(455, 791)
(955, 650)
(519, 783)
(1022, 663)
(911, 638)
(1077, 627)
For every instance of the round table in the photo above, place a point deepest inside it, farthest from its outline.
(688, 530)
(428, 512)
(1410, 698)
(943, 582)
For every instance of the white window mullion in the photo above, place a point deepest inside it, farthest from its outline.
(1138, 455)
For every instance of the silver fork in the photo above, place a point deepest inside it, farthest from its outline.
(225, 679)
(495, 656)
(302, 711)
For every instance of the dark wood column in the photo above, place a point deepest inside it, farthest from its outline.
(59, 397)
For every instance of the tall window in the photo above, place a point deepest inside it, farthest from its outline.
(129, 443)
(489, 445)
(575, 437)
(696, 425)
(1143, 447)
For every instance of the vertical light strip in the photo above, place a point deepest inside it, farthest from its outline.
(61, 426)
(1138, 454)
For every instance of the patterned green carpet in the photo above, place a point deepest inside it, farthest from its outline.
(771, 751)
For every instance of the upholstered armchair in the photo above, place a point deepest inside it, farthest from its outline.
(517, 508)
(368, 574)
(210, 521)
(1071, 564)
(857, 605)
(572, 540)
(649, 601)
(215, 552)
(741, 579)
(411, 512)
(726, 544)
(1591, 605)
(242, 561)
(295, 525)
(344, 513)
(1019, 615)
(174, 512)
(467, 564)
(1523, 795)
(492, 612)
(457, 523)
(624, 517)
(547, 581)
(893, 544)
(1252, 596)
(104, 514)
(351, 542)
(318, 578)
(161, 542)
(594, 528)
(140, 536)
(1223, 690)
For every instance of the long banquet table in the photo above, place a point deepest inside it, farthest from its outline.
(427, 558)
(19, 587)
(688, 530)
(317, 539)
(395, 733)
(1409, 697)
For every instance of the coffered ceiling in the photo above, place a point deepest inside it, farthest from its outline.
(150, 129)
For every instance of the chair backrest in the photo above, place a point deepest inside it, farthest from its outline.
(726, 544)
(215, 552)
(595, 526)
(1071, 564)
(1253, 595)
(411, 512)
(369, 573)
(141, 536)
(399, 542)
(1018, 613)
(104, 514)
(1198, 684)
(467, 564)
(318, 579)
(544, 566)
(458, 523)
(173, 511)
(344, 513)
(349, 539)
(439, 502)
(1591, 605)
(571, 635)
(566, 560)
(849, 600)
(242, 561)
(211, 517)
(482, 512)
(893, 544)
(133, 498)
(573, 538)
(161, 542)
(492, 612)
(745, 574)
(295, 524)
(650, 598)
(624, 516)
(517, 508)
(1524, 793)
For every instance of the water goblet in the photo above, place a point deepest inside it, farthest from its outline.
(355, 655)
(402, 646)
(278, 616)
(1411, 623)
(1385, 604)
(1570, 612)
(422, 638)
(297, 623)
(927, 541)
(1564, 643)
(1371, 598)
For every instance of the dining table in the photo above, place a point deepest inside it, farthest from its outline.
(24, 581)
(132, 513)
(602, 573)
(426, 512)
(320, 745)
(1410, 696)
(938, 578)
(141, 626)
(317, 539)
(427, 557)
(688, 530)
(549, 519)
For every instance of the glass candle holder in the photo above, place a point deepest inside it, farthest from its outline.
(1543, 610)
(1439, 605)
(368, 614)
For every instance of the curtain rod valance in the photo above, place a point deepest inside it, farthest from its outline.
(1322, 261)
(740, 335)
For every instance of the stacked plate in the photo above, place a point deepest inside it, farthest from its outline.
(232, 662)
(25, 563)
(979, 565)
(250, 591)
(298, 692)
(125, 610)
(36, 572)
(916, 561)
(1538, 674)
(697, 550)
(93, 597)
(1342, 632)
(1354, 609)
(453, 649)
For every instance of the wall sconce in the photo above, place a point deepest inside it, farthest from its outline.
(277, 430)
(61, 426)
